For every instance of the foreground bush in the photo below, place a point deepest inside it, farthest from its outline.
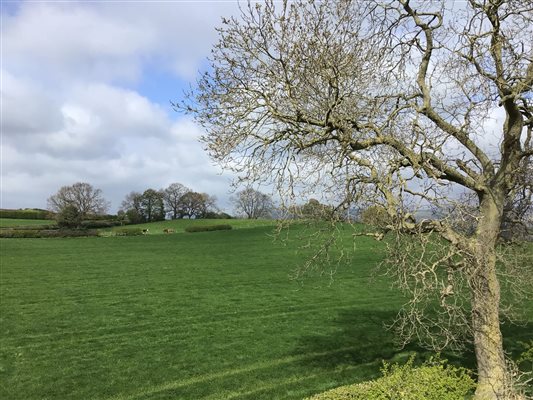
(46, 233)
(208, 228)
(434, 380)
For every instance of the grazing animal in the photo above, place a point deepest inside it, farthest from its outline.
(168, 230)
(145, 231)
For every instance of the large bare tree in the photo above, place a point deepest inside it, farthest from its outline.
(253, 204)
(87, 200)
(393, 102)
(172, 197)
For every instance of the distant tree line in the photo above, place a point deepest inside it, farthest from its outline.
(174, 202)
(82, 202)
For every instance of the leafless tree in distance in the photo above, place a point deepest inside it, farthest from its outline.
(132, 201)
(390, 102)
(172, 196)
(87, 200)
(253, 204)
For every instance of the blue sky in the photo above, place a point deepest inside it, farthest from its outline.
(86, 90)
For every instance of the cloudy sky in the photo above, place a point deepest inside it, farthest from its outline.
(86, 90)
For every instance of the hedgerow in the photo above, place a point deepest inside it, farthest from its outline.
(208, 228)
(98, 224)
(46, 233)
(129, 232)
(26, 214)
(32, 227)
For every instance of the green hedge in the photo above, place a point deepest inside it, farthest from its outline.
(434, 380)
(98, 224)
(32, 227)
(129, 232)
(29, 213)
(46, 233)
(208, 228)
(103, 217)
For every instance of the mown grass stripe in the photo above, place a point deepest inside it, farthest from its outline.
(280, 383)
(131, 332)
(173, 385)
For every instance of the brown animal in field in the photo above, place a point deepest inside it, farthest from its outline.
(168, 230)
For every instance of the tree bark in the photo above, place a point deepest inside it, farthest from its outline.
(492, 376)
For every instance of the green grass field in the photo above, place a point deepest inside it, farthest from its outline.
(209, 315)
(9, 222)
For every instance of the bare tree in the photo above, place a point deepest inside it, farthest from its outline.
(253, 204)
(196, 205)
(208, 205)
(151, 206)
(172, 196)
(389, 102)
(131, 207)
(87, 200)
(132, 201)
(517, 221)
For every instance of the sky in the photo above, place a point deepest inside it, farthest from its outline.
(85, 97)
(86, 88)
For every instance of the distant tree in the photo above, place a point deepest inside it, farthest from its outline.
(314, 209)
(207, 206)
(132, 201)
(172, 196)
(376, 216)
(217, 215)
(69, 217)
(122, 217)
(87, 200)
(151, 206)
(134, 216)
(253, 204)
(196, 205)
(131, 208)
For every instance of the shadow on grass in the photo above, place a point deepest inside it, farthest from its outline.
(354, 346)
(359, 341)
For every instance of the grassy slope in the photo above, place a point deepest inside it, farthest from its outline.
(185, 316)
(8, 222)
(179, 225)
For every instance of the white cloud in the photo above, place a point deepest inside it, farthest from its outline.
(71, 110)
(112, 41)
(69, 40)
(27, 107)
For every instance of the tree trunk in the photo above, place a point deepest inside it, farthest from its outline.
(492, 377)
